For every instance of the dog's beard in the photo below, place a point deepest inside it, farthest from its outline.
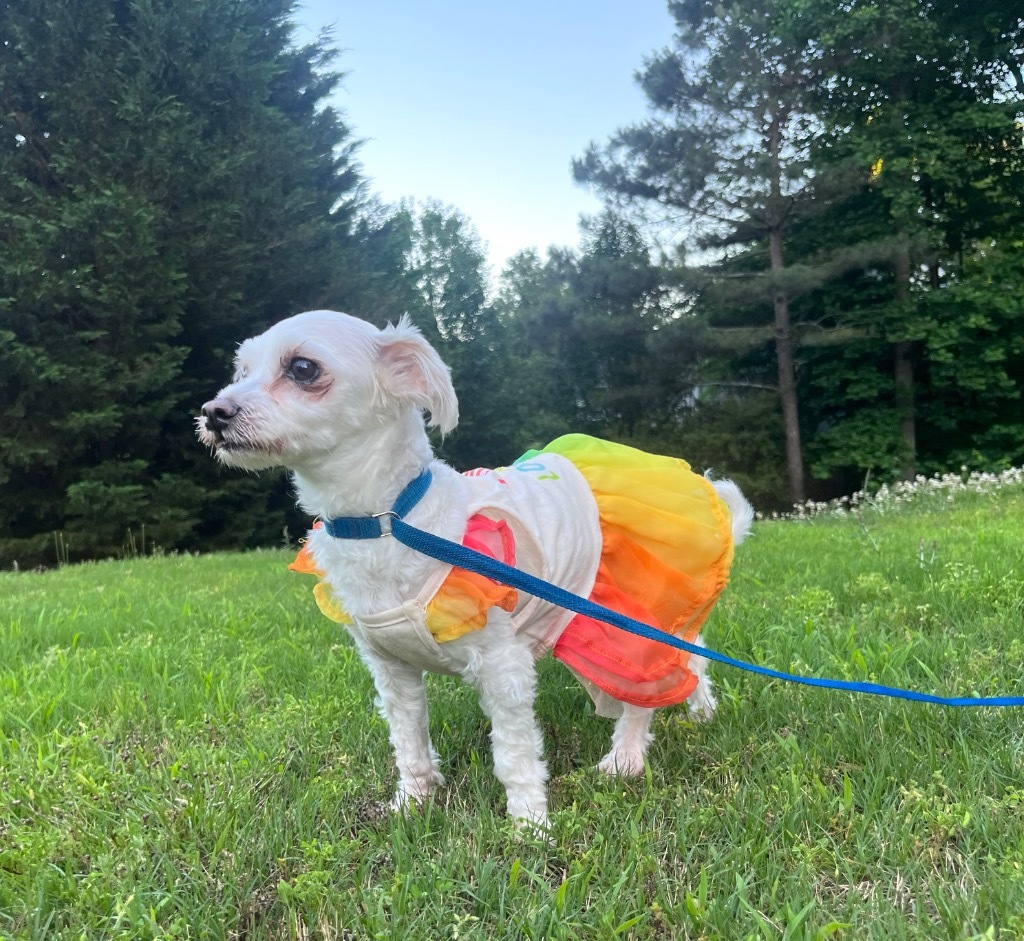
(241, 450)
(247, 454)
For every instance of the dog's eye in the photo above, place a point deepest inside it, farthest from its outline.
(303, 370)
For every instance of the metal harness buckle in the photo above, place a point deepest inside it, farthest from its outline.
(385, 519)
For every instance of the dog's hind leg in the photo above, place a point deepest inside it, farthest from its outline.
(403, 703)
(632, 733)
(702, 703)
(630, 739)
(506, 683)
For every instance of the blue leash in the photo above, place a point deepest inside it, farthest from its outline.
(452, 553)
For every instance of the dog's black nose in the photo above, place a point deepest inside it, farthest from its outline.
(218, 414)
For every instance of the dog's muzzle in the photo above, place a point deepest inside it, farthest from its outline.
(218, 415)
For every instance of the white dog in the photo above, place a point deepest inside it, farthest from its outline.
(340, 403)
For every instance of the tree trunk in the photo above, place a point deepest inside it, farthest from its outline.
(903, 370)
(787, 376)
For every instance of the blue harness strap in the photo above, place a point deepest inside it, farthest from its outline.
(373, 527)
(452, 553)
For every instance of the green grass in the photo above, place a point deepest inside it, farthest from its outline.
(188, 750)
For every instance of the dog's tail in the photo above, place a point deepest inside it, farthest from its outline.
(740, 508)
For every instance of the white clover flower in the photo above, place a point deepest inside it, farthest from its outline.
(907, 493)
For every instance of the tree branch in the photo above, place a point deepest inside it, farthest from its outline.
(738, 384)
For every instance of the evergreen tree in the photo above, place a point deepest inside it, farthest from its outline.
(727, 152)
(585, 327)
(447, 265)
(170, 182)
(928, 97)
(849, 168)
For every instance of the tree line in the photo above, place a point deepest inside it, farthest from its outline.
(809, 269)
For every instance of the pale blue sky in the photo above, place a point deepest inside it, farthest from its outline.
(483, 105)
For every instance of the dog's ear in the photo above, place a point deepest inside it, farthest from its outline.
(411, 371)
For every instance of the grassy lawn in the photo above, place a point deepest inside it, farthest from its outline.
(188, 750)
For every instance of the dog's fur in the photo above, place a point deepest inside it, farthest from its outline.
(340, 403)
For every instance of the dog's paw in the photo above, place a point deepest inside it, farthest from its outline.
(416, 790)
(404, 800)
(701, 709)
(533, 820)
(528, 806)
(622, 763)
(401, 800)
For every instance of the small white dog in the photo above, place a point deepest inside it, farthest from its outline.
(340, 403)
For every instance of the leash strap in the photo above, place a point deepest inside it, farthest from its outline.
(452, 553)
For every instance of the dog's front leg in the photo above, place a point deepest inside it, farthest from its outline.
(504, 678)
(403, 703)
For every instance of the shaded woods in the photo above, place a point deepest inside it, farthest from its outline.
(810, 268)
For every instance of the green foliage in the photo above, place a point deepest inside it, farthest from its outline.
(858, 169)
(728, 149)
(570, 342)
(584, 335)
(170, 181)
(924, 99)
(845, 181)
(447, 269)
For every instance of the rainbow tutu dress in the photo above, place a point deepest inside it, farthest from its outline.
(635, 532)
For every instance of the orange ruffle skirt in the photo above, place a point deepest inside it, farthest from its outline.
(667, 550)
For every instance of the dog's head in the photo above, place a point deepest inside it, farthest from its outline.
(321, 381)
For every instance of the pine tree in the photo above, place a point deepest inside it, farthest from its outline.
(727, 156)
(170, 182)
(820, 154)
(583, 334)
